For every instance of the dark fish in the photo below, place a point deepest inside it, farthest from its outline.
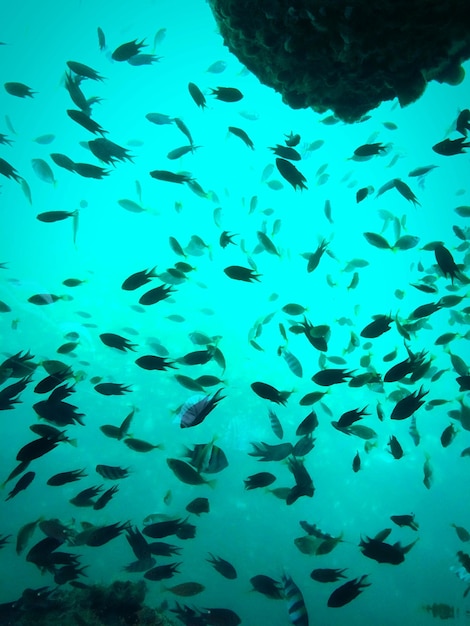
(222, 566)
(395, 448)
(408, 405)
(160, 572)
(127, 50)
(158, 530)
(425, 310)
(105, 498)
(152, 362)
(268, 452)
(143, 59)
(448, 435)
(139, 445)
(356, 464)
(63, 161)
(384, 552)
(108, 151)
(405, 520)
(263, 390)
(349, 417)
(186, 473)
(116, 341)
(286, 152)
(198, 506)
(239, 132)
(237, 272)
(112, 389)
(85, 497)
(307, 425)
(36, 448)
(88, 170)
(86, 122)
(267, 586)
(66, 477)
(84, 70)
(197, 95)
(177, 153)
(9, 171)
(347, 592)
(450, 147)
(186, 590)
(55, 216)
(101, 535)
(446, 262)
(303, 481)
(101, 38)
(369, 149)
(22, 484)
(333, 376)
(261, 479)
(227, 94)
(291, 173)
(171, 177)
(162, 292)
(20, 90)
(379, 326)
(326, 575)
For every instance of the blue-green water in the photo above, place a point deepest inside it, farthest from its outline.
(253, 530)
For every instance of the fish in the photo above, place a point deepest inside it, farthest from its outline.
(127, 50)
(261, 479)
(84, 70)
(405, 520)
(451, 147)
(297, 610)
(198, 506)
(267, 586)
(186, 473)
(347, 592)
(327, 575)
(268, 392)
(186, 590)
(408, 405)
(22, 484)
(227, 94)
(224, 567)
(197, 96)
(139, 445)
(241, 134)
(369, 149)
(55, 216)
(116, 341)
(20, 90)
(63, 478)
(245, 274)
(395, 448)
(196, 409)
(290, 173)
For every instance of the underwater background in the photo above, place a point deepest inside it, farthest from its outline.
(123, 225)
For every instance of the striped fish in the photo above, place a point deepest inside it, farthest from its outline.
(293, 363)
(295, 602)
(276, 425)
(112, 472)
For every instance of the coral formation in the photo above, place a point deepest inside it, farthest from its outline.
(119, 604)
(347, 56)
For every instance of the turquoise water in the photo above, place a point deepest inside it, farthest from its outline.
(252, 529)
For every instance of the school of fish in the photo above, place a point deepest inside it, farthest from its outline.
(368, 388)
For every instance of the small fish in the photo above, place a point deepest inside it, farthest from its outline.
(227, 94)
